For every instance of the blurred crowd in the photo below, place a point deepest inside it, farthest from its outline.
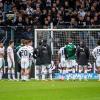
(70, 13)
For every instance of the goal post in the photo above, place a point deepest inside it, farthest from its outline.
(56, 38)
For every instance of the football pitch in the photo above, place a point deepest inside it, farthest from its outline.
(49, 90)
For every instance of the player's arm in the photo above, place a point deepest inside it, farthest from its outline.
(49, 51)
(35, 53)
(87, 53)
(59, 56)
(18, 53)
(2, 53)
(94, 53)
(9, 54)
(77, 53)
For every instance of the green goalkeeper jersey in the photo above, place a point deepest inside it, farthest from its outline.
(70, 51)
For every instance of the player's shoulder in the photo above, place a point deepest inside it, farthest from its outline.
(9, 47)
(30, 47)
(97, 47)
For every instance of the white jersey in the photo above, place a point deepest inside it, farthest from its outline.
(31, 50)
(1, 57)
(61, 53)
(24, 52)
(96, 52)
(2, 50)
(10, 53)
(96, 55)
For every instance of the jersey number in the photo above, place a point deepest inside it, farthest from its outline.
(98, 51)
(24, 52)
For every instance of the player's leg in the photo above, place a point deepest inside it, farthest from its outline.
(68, 66)
(22, 70)
(50, 71)
(13, 73)
(37, 70)
(26, 74)
(98, 68)
(1, 68)
(73, 65)
(18, 71)
(63, 69)
(85, 72)
(80, 70)
(9, 69)
(44, 72)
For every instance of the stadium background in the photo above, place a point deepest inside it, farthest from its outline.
(19, 18)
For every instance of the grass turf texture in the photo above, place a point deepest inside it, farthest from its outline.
(49, 90)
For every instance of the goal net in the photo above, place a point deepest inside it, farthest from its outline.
(56, 38)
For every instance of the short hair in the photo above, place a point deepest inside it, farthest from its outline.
(25, 42)
(10, 42)
(98, 42)
(30, 40)
(0, 42)
(22, 41)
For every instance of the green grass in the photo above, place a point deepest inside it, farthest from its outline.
(49, 90)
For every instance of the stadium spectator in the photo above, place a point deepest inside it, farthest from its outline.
(87, 10)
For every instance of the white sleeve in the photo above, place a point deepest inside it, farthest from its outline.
(9, 50)
(94, 53)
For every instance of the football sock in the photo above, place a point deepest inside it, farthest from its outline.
(1, 73)
(99, 76)
(73, 71)
(50, 75)
(18, 75)
(43, 76)
(85, 77)
(13, 74)
(9, 74)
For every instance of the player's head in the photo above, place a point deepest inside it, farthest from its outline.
(44, 42)
(1, 44)
(11, 43)
(30, 43)
(82, 44)
(22, 41)
(40, 43)
(69, 40)
(98, 42)
(25, 42)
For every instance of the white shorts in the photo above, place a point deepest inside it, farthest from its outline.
(71, 63)
(1, 62)
(24, 63)
(10, 64)
(98, 63)
(63, 63)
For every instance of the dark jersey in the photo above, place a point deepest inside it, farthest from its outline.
(82, 55)
(43, 54)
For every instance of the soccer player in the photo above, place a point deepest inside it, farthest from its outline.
(24, 54)
(82, 58)
(96, 55)
(70, 56)
(62, 64)
(43, 60)
(31, 49)
(10, 60)
(18, 59)
(1, 59)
